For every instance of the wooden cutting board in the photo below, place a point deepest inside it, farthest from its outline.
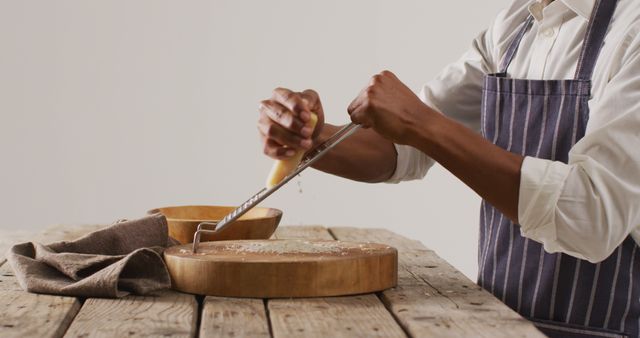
(282, 268)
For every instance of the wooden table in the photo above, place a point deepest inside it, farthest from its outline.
(432, 299)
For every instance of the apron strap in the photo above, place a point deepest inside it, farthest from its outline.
(515, 43)
(598, 26)
(592, 44)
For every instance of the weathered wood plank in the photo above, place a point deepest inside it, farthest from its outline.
(435, 299)
(30, 315)
(303, 232)
(169, 314)
(351, 316)
(230, 317)
(234, 317)
(8, 281)
(354, 316)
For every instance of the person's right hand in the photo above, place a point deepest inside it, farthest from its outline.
(283, 119)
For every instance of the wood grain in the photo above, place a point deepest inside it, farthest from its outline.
(355, 316)
(257, 223)
(30, 315)
(330, 268)
(303, 232)
(8, 281)
(169, 314)
(434, 299)
(352, 316)
(234, 317)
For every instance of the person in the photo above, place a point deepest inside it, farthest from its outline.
(541, 118)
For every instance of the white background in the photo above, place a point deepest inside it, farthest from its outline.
(111, 108)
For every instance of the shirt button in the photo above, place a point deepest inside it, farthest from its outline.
(548, 32)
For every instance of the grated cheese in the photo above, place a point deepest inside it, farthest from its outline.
(289, 246)
(280, 247)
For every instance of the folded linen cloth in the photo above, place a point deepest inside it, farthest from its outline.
(113, 262)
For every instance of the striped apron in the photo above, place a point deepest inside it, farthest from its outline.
(562, 295)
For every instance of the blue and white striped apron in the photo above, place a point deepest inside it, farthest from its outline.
(562, 295)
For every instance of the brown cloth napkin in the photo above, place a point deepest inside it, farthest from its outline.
(113, 262)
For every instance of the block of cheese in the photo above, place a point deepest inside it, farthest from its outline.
(282, 168)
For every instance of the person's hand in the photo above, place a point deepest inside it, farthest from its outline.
(283, 119)
(389, 107)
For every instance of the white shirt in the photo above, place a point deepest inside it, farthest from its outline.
(585, 208)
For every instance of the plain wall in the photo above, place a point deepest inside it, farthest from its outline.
(111, 108)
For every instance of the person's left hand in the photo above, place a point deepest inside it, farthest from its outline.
(389, 107)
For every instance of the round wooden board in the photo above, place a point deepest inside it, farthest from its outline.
(282, 268)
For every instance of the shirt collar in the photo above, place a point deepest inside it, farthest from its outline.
(581, 7)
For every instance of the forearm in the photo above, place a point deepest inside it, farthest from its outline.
(365, 156)
(492, 172)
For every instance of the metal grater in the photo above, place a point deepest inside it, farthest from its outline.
(311, 158)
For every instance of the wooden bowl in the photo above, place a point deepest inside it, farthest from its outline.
(258, 223)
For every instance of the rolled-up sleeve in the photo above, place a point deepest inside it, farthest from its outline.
(589, 206)
(411, 164)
